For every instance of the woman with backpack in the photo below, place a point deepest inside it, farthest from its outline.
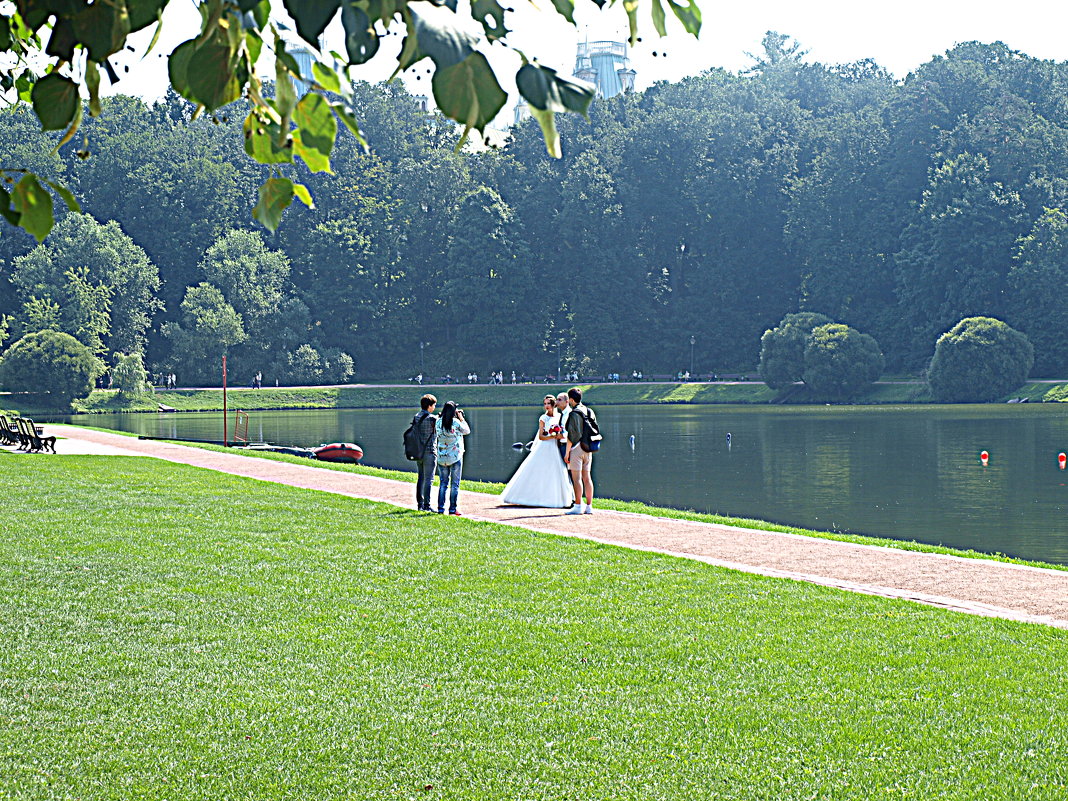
(451, 430)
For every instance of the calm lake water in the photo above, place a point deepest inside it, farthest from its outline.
(905, 472)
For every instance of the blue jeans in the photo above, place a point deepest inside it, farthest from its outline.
(449, 474)
(425, 480)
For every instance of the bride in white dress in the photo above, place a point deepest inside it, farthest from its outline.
(542, 479)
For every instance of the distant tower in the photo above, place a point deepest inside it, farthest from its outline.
(605, 65)
(522, 110)
(422, 102)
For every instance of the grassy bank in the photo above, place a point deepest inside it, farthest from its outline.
(386, 397)
(303, 645)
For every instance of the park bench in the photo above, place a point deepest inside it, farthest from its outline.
(660, 378)
(32, 436)
(730, 377)
(9, 432)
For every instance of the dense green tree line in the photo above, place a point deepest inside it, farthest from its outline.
(710, 208)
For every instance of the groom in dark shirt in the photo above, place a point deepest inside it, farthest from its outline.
(563, 409)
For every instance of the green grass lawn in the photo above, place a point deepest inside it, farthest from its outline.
(172, 633)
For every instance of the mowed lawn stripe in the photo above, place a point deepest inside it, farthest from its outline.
(172, 632)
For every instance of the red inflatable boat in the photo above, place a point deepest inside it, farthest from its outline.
(339, 452)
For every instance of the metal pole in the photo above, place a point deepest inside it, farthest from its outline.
(421, 370)
(557, 361)
(693, 341)
(225, 440)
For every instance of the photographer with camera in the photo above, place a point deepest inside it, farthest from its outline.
(451, 430)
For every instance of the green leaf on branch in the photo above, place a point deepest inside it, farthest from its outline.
(547, 120)
(70, 131)
(7, 211)
(468, 92)
(344, 113)
(261, 137)
(5, 34)
(689, 15)
(34, 207)
(326, 78)
(62, 42)
(275, 196)
(659, 18)
(546, 90)
(102, 28)
(316, 132)
(438, 34)
(144, 12)
(66, 194)
(209, 74)
(92, 83)
(631, 7)
(312, 17)
(300, 191)
(361, 40)
(566, 9)
(55, 101)
(490, 14)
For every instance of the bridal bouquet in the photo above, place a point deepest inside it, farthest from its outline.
(554, 431)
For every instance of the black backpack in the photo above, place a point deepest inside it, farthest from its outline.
(414, 445)
(590, 440)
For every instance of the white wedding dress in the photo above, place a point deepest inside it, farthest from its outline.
(541, 479)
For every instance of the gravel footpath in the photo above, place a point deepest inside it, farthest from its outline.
(976, 586)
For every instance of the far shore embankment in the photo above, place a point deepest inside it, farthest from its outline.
(392, 396)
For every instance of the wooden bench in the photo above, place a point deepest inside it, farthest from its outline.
(9, 432)
(32, 436)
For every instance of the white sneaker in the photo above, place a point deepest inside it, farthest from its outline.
(588, 510)
(574, 510)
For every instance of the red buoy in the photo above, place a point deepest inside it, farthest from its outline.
(1062, 460)
(984, 457)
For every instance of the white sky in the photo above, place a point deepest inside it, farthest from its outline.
(899, 36)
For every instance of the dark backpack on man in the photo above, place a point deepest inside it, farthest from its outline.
(590, 440)
(414, 444)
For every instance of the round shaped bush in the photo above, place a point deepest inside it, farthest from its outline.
(782, 349)
(979, 359)
(840, 361)
(52, 362)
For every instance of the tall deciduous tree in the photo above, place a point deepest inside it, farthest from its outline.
(104, 284)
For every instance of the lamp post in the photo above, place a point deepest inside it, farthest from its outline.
(693, 341)
(557, 361)
(421, 344)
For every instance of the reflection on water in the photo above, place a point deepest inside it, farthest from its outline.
(906, 472)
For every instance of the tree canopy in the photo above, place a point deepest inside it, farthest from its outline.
(61, 49)
(711, 209)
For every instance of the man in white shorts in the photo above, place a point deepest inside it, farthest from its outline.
(579, 461)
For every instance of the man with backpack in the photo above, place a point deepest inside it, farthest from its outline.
(420, 446)
(583, 438)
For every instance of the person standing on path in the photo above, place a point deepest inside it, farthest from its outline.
(425, 422)
(564, 411)
(579, 460)
(450, 430)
